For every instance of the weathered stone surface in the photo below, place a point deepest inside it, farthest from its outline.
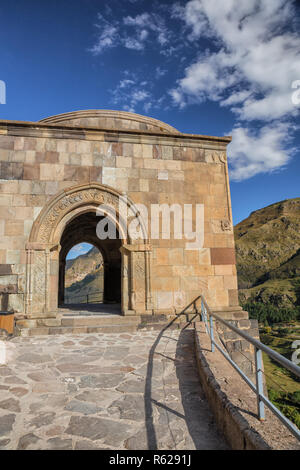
(60, 444)
(42, 419)
(3, 443)
(101, 381)
(87, 445)
(102, 398)
(28, 442)
(19, 391)
(112, 432)
(161, 404)
(81, 407)
(131, 407)
(6, 423)
(33, 358)
(10, 404)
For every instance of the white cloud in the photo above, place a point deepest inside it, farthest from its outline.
(253, 152)
(132, 32)
(131, 92)
(254, 51)
(254, 58)
(108, 36)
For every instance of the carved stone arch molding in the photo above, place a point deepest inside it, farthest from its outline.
(42, 250)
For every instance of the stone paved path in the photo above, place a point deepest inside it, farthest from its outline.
(111, 391)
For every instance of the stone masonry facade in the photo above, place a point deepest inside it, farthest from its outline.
(56, 169)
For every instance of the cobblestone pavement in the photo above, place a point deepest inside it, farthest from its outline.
(106, 391)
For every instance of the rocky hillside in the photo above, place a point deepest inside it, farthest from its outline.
(268, 254)
(84, 275)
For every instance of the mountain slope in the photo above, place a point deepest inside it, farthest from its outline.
(268, 254)
(83, 276)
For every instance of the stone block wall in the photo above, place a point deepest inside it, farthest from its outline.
(155, 165)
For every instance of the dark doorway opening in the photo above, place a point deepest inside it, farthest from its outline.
(82, 229)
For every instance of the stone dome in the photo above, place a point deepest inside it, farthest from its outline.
(107, 119)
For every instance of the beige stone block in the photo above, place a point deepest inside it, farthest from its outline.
(25, 187)
(7, 213)
(36, 212)
(5, 155)
(2, 256)
(166, 283)
(153, 164)
(175, 165)
(222, 299)
(22, 213)
(176, 256)
(27, 227)
(137, 163)
(6, 199)
(64, 158)
(162, 257)
(121, 184)
(19, 200)
(123, 162)
(50, 172)
(75, 159)
(163, 271)
(179, 299)
(9, 187)
(62, 146)
(167, 152)
(51, 187)
(203, 270)
(215, 282)
(14, 228)
(147, 151)
(137, 151)
(164, 300)
(18, 156)
(230, 282)
(13, 257)
(144, 185)
(223, 270)
(30, 156)
(183, 270)
(191, 283)
(191, 257)
(40, 144)
(19, 143)
(204, 256)
(87, 159)
(128, 150)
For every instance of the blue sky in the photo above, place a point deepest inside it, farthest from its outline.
(203, 66)
(79, 249)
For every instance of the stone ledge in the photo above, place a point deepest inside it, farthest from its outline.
(234, 404)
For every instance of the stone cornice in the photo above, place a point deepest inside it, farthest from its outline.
(39, 129)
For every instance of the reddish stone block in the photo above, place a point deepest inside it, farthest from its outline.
(222, 256)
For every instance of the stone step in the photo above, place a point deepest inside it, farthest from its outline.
(99, 321)
(125, 327)
(65, 330)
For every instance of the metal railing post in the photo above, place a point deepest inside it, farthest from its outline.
(211, 324)
(259, 383)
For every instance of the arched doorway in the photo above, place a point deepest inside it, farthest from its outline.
(84, 275)
(83, 229)
(51, 234)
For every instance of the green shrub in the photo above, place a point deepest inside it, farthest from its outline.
(269, 313)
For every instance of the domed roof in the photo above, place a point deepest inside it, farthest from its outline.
(107, 119)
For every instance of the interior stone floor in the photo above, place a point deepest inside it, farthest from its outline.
(104, 391)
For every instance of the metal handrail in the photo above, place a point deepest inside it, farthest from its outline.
(207, 317)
